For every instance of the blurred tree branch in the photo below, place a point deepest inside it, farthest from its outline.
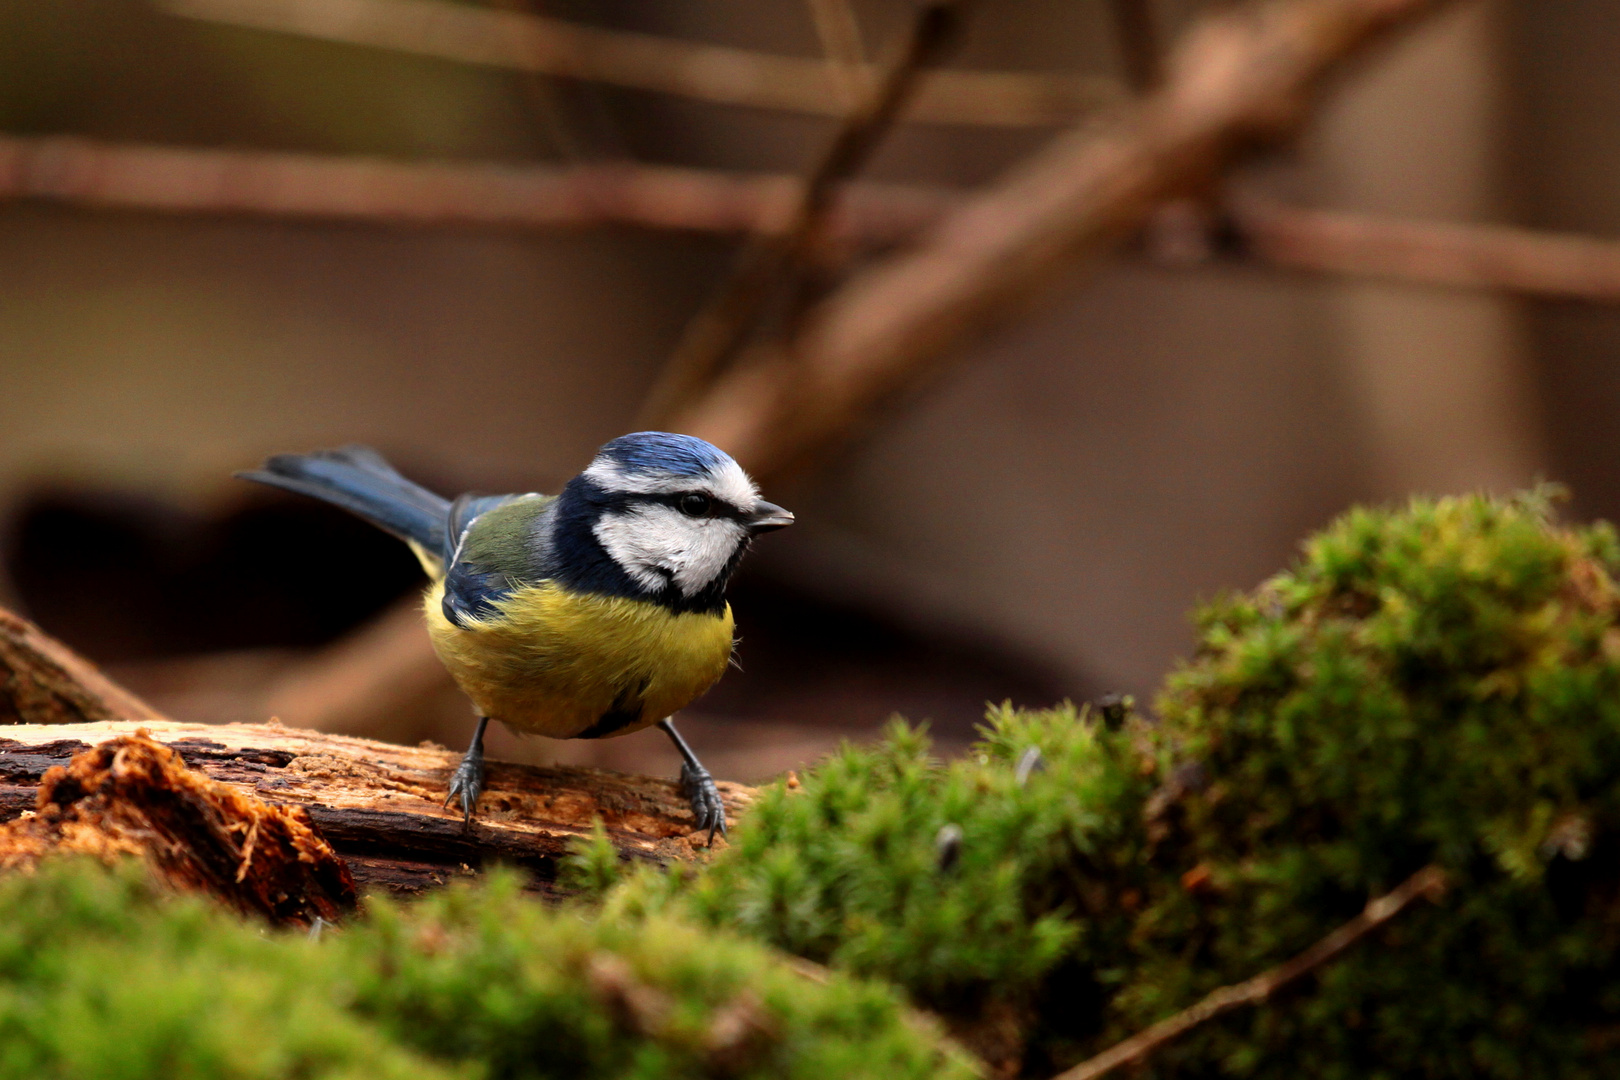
(1457, 254)
(722, 326)
(177, 179)
(714, 73)
(840, 35)
(381, 668)
(1242, 79)
(85, 172)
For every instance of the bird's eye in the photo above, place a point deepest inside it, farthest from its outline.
(694, 505)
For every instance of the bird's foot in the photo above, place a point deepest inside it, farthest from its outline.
(468, 783)
(699, 787)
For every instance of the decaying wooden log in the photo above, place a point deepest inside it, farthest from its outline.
(133, 796)
(379, 806)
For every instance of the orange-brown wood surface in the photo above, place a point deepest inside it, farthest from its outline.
(380, 806)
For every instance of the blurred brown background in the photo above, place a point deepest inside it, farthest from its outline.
(1034, 525)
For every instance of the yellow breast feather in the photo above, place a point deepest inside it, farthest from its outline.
(554, 662)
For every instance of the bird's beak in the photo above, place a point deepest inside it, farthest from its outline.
(768, 516)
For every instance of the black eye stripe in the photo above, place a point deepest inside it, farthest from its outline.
(718, 508)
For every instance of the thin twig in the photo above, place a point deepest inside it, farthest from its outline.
(1243, 78)
(1457, 254)
(470, 34)
(840, 35)
(725, 322)
(1139, 50)
(171, 179)
(839, 32)
(542, 101)
(1427, 883)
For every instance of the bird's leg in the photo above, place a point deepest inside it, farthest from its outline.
(698, 786)
(468, 779)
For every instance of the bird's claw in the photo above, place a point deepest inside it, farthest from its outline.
(699, 787)
(467, 782)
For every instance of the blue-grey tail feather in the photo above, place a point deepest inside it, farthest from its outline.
(358, 479)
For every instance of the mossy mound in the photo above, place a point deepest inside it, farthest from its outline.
(1435, 685)
(104, 975)
(981, 888)
(1438, 684)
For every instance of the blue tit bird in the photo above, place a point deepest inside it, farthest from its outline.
(593, 613)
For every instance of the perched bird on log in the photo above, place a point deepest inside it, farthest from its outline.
(596, 612)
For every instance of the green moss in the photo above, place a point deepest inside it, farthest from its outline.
(849, 869)
(1439, 684)
(532, 991)
(103, 976)
(591, 867)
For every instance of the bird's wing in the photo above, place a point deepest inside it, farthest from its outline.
(496, 548)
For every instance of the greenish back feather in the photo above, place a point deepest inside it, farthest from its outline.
(502, 540)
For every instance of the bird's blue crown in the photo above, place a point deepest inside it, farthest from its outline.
(664, 452)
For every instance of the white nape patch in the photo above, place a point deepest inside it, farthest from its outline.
(726, 482)
(656, 543)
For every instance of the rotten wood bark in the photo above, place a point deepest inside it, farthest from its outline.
(131, 796)
(380, 806)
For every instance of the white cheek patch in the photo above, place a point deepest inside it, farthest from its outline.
(656, 544)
